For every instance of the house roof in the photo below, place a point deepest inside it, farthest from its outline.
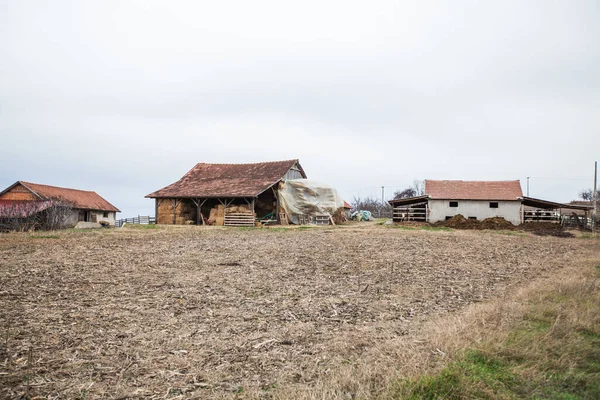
(227, 180)
(82, 199)
(473, 190)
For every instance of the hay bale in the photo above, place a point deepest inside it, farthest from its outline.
(339, 216)
(220, 221)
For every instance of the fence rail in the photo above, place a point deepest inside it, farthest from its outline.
(139, 220)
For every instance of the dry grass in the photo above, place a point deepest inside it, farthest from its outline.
(196, 313)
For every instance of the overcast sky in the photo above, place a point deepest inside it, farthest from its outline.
(124, 97)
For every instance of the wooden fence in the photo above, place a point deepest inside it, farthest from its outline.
(139, 220)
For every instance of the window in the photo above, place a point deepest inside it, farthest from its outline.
(454, 204)
(448, 217)
(474, 218)
(493, 204)
(105, 215)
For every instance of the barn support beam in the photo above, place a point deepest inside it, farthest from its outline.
(157, 204)
(224, 202)
(175, 203)
(276, 211)
(199, 215)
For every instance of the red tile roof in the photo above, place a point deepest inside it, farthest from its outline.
(473, 190)
(82, 199)
(227, 180)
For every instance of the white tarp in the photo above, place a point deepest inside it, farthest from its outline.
(307, 197)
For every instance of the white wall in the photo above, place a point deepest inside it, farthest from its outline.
(100, 216)
(509, 210)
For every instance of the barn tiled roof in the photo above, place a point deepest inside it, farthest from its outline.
(82, 199)
(227, 180)
(473, 190)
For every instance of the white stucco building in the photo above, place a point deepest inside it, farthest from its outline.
(479, 200)
(472, 199)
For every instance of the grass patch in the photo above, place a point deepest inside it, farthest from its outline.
(475, 375)
(436, 228)
(44, 237)
(404, 227)
(553, 352)
(508, 233)
(423, 227)
(141, 226)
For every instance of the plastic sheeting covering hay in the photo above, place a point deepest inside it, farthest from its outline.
(307, 197)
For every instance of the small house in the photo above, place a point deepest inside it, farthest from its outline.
(83, 205)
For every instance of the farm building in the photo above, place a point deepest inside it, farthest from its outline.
(443, 199)
(239, 190)
(84, 205)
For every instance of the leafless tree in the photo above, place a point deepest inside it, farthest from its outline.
(416, 189)
(588, 194)
(34, 215)
(371, 204)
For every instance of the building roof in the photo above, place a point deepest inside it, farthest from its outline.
(407, 201)
(227, 180)
(551, 205)
(473, 190)
(81, 199)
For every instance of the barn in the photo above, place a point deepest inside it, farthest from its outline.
(236, 191)
(85, 205)
(443, 199)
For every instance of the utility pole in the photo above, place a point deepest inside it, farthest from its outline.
(528, 186)
(382, 199)
(595, 215)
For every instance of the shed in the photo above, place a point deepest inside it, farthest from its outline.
(87, 206)
(478, 200)
(245, 188)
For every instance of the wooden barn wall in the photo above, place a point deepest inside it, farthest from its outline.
(19, 193)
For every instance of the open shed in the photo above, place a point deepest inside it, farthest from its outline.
(242, 191)
(479, 200)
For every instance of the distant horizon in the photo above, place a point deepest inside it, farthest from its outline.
(124, 97)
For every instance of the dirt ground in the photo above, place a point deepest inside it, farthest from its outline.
(194, 312)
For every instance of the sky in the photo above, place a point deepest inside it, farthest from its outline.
(124, 97)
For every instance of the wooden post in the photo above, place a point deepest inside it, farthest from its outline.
(199, 205)
(276, 211)
(175, 203)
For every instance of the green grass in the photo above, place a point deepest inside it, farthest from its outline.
(553, 352)
(44, 237)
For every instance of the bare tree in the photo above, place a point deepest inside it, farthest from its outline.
(34, 215)
(588, 194)
(416, 189)
(371, 204)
